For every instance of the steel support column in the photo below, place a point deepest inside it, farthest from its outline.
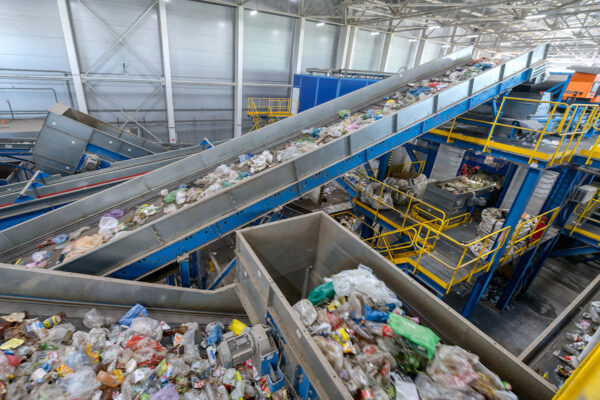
(238, 71)
(387, 43)
(431, 155)
(342, 46)
(297, 59)
(64, 13)
(166, 62)
(419, 52)
(512, 219)
(350, 49)
(384, 162)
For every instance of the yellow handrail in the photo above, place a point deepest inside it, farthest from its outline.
(584, 216)
(487, 255)
(596, 144)
(571, 125)
(518, 244)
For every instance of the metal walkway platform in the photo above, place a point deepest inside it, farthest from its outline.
(163, 238)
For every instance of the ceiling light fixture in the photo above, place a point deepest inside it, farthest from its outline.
(375, 33)
(471, 36)
(412, 40)
(320, 23)
(538, 16)
(445, 45)
(253, 12)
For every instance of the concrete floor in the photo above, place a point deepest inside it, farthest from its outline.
(558, 283)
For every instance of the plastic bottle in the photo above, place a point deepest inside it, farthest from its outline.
(379, 329)
(212, 356)
(172, 331)
(210, 392)
(55, 320)
(574, 337)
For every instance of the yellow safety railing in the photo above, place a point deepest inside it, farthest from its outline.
(596, 146)
(467, 259)
(404, 214)
(584, 212)
(267, 110)
(573, 121)
(271, 106)
(406, 170)
(392, 244)
(521, 241)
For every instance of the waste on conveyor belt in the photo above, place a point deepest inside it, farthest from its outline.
(578, 342)
(381, 351)
(136, 357)
(119, 222)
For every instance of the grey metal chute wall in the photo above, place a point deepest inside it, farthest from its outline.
(447, 162)
(542, 190)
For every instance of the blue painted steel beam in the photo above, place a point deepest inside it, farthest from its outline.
(241, 217)
(411, 153)
(512, 219)
(574, 251)
(222, 275)
(431, 155)
(184, 271)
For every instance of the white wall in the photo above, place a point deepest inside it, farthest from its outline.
(201, 47)
(367, 51)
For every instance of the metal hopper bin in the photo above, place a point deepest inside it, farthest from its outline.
(272, 266)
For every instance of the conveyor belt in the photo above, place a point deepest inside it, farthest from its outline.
(67, 134)
(58, 191)
(160, 240)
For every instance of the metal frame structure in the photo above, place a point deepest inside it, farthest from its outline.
(162, 241)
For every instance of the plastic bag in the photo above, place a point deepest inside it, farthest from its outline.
(452, 367)
(146, 351)
(237, 327)
(167, 393)
(190, 350)
(215, 333)
(107, 226)
(306, 312)
(97, 338)
(135, 312)
(81, 384)
(6, 369)
(145, 326)
(405, 388)
(322, 293)
(93, 319)
(333, 352)
(374, 315)
(362, 281)
(414, 332)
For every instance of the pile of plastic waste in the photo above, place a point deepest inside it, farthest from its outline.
(586, 331)
(117, 223)
(392, 191)
(492, 220)
(465, 184)
(136, 357)
(381, 351)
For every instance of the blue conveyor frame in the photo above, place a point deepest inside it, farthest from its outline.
(152, 246)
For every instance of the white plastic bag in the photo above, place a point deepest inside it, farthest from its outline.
(362, 281)
(306, 311)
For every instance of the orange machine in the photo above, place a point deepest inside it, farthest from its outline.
(584, 85)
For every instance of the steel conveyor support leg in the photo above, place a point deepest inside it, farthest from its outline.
(384, 163)
(431, 155)
(507, 180)
(512, 219)
(184, 270)
(528, 263)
